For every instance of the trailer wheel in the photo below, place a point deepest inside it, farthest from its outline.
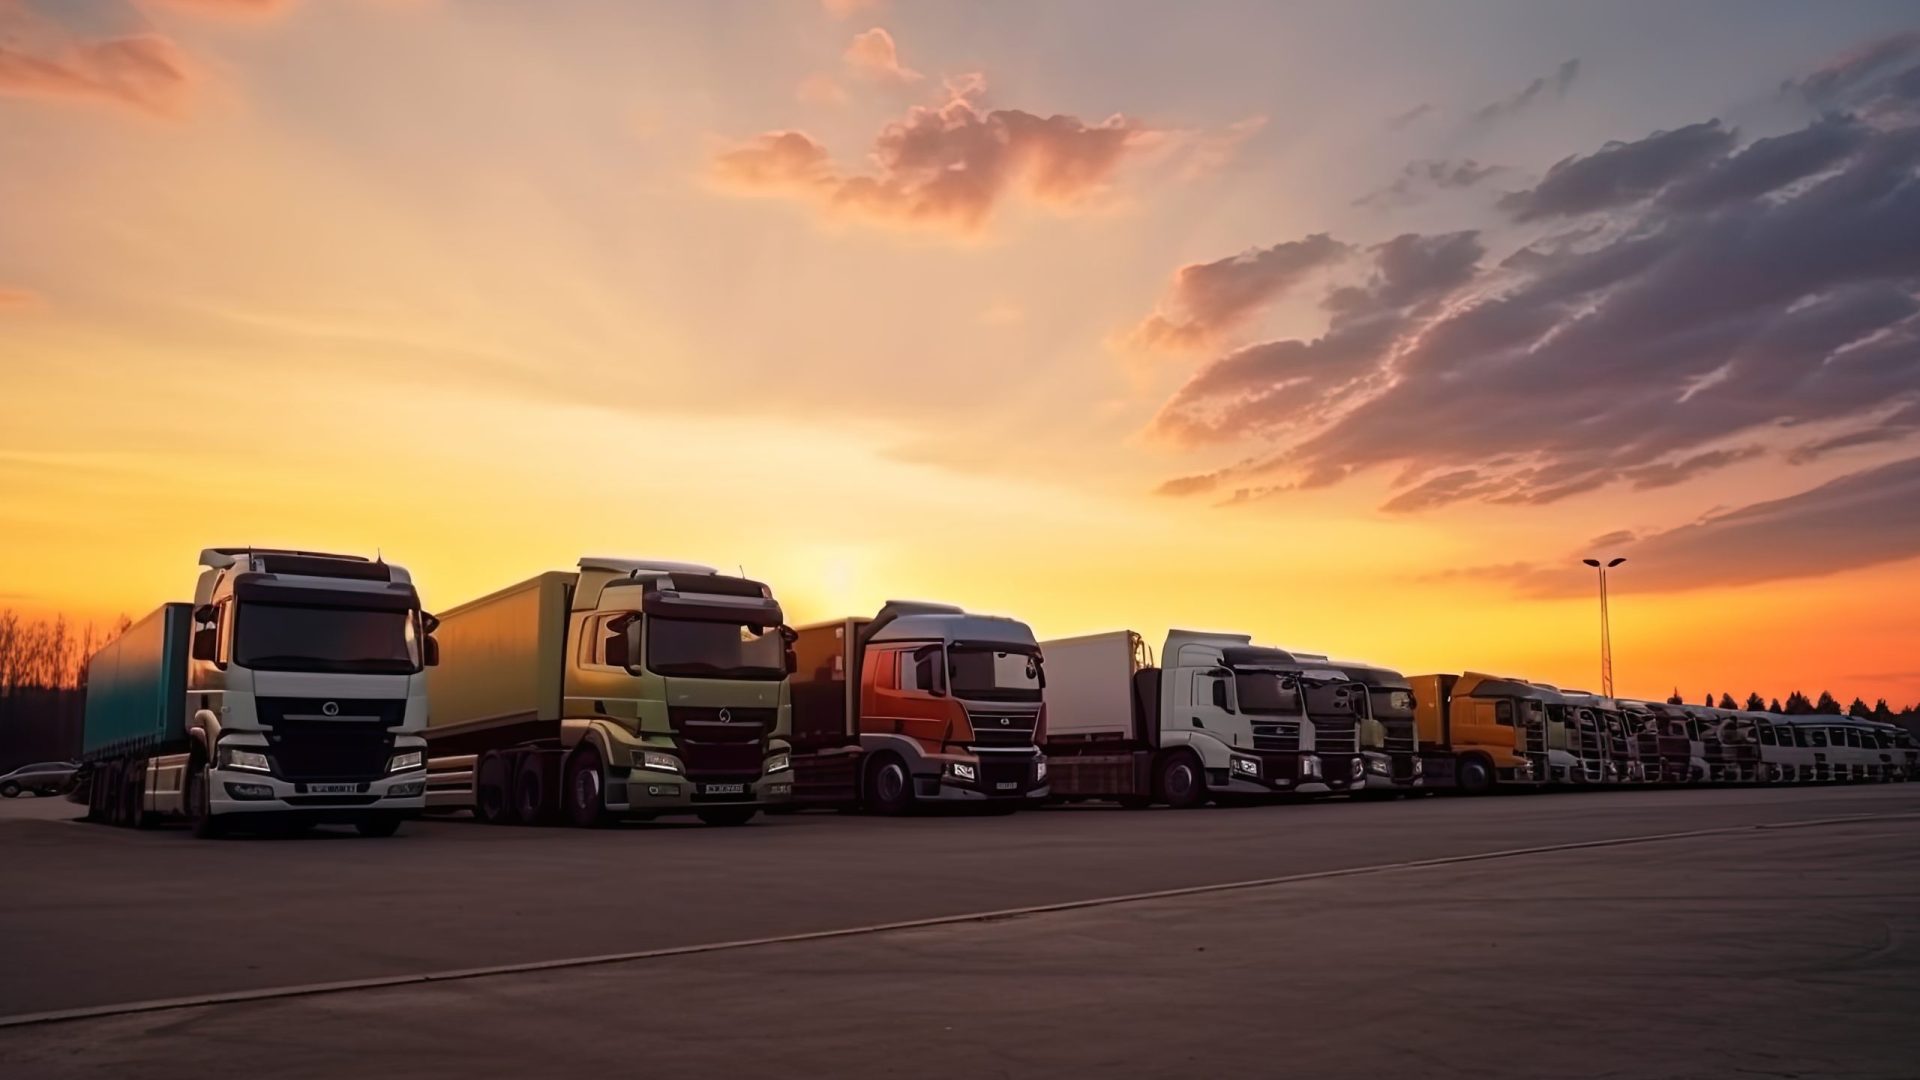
(10, 790)
(1179, 782)
(206, 825)
(889, 788)
(534, 797)
(490, 786)
(727, 816)
(1475, 778)
(584, 793)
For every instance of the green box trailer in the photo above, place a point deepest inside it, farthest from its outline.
(137, 689)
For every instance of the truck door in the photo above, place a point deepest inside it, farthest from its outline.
(909, 695)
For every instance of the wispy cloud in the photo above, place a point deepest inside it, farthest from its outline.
(20, 299)
(1207, 300)
(873, 55)
(1557, 84)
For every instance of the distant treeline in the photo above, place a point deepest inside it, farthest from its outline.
(43, 664)
(1798, 704)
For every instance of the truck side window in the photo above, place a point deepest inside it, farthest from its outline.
(1503, 713)
(225, 623)
(613, 646)
(1766, 735)
(1220, 694)
(920, 669)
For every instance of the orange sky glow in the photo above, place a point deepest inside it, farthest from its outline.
(1349, 333)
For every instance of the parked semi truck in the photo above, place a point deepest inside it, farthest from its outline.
(1222, 718)
(289, 693)
(920, 703)
(1389, 730)
(627, 688)
(1481, 731)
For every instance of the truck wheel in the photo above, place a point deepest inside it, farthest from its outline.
(490, 789)
(10, 790)
(889, 786)
(1179, 782)
(727, 815)
(383, 826)
(534, 800)
(1474, 777)
(206, 826)
(585, 790)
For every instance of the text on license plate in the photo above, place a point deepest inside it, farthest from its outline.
(1005, 785)
(333, 789)
(723, 789)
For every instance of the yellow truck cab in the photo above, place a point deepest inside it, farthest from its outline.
(1480, 731)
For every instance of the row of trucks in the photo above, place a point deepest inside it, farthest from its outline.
(301, 688)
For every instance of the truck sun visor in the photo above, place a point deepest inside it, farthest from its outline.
(753, 610)
(262, 588)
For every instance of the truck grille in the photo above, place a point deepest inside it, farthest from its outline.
(1399, 737)
(1533, 737)
(994, 774)
(1335, 736)
(1284, 736)
(330, 750)
(1003, 729)
(330, 739)
(733, 747)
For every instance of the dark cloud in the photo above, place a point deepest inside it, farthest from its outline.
(1715, 296)
(1209, 299)
(946, 167)
(1420, 177)
(1854, 78)
(1861, 519)
(1621, 173)
(1407, 119)
(1268, 386)
(1558, 84)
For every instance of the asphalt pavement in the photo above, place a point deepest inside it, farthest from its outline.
(1718, 932)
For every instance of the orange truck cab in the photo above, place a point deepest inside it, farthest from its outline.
(1481, 731)
(920, 703)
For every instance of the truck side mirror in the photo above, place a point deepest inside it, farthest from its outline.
(788, 636)
(429, 623)
(430, 651)
(206, 632)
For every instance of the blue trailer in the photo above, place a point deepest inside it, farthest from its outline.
(136, 709)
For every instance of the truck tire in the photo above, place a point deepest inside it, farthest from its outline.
(379, 827)
(584, 793)
(727, 816)
(206, 825)
(889, 786)
(1475, 777)
(10, 790)
(1179, 781)
(535, 802)
(491, 786)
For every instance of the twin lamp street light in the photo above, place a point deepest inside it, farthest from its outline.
(1606, 631)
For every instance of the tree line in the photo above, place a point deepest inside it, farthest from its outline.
(1798, 704)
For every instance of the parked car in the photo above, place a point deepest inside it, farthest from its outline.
(43, 778)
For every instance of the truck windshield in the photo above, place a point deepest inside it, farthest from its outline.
(299, 637)
(1267, 693)
(985, 673)
(714, 650)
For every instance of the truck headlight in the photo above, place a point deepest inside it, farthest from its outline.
(779, 763)
(1418, 767)
(1040, 769)
(656, 762)
(233, 757)
(1378, 766)
(1309, 766)
(1246, 766)
(960, 770)
(407, 759)
(1359, 769)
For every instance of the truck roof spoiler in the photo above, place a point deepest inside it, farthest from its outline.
(637, 566)
(224, 558)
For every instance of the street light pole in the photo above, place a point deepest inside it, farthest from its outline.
(1606, 627)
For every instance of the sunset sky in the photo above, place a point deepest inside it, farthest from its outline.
(1352, 326)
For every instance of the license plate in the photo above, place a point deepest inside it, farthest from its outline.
(723, 789)
(1006, 785)
(333, 789)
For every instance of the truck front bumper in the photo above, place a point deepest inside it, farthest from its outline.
(243, 791)
(651, 791)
